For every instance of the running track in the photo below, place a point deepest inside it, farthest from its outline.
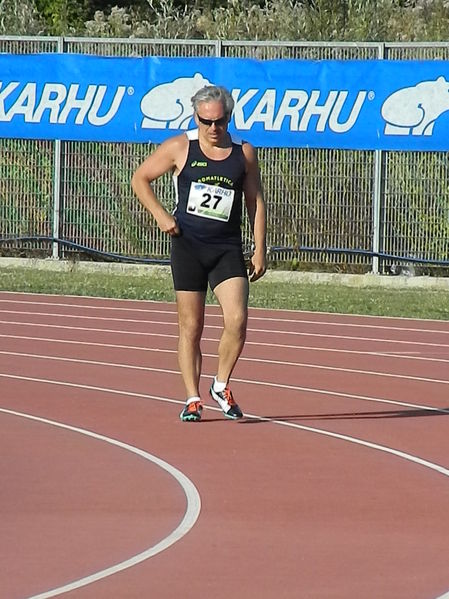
(335, 485)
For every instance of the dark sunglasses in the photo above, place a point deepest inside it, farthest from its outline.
(209, 122)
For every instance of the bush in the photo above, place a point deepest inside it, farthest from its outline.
(290, 20)
(20, 17)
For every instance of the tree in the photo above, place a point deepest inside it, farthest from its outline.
(63, 16)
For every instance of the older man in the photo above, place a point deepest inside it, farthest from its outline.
(212, 172)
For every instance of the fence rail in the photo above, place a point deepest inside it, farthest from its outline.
(347, 210)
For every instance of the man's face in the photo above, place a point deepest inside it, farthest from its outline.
(211, 120)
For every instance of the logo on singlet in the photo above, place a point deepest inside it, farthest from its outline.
(198, 163)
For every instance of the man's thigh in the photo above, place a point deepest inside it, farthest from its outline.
(232, 295)
(230, 264)
(188, 271)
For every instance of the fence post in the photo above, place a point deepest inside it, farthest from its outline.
(56, 254)
(378, 191)
(56, 197)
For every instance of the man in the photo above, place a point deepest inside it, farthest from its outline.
(210, 170)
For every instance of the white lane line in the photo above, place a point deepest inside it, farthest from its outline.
(253, 317)
(384, 448)
(207, 326)
(250, 330)
(356, 440)
(366, 398)
(278, 362)
(175, 323)
(100, 318)
(90, 329)
(34, 295)
(190, 516)
(90, 306)
(396, 355)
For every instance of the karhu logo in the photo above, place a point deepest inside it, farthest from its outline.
(414, 110)
(198, 163)
(57, 103)
(170, 103)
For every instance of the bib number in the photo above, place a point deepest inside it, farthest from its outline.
(210, 201)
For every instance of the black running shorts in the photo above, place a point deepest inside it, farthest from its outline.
(194, 265)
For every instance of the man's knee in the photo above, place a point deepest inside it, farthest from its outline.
(191, 327)
(235, 322)
(190, 314)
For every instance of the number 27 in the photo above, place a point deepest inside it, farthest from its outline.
(207, 200)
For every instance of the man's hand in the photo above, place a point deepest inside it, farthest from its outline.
(168, 224)
(257, 266)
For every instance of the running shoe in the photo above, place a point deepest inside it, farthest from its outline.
(192, 412)
(226, 403)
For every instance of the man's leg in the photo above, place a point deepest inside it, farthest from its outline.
(232, 295)
(191, 321)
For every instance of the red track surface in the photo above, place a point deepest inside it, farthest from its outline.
(287, 510)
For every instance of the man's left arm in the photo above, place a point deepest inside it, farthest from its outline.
(255, 206)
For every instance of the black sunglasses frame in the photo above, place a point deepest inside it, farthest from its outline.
(217, 122)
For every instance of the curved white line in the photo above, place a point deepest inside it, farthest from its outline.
(342, 437)
(177, 401)
(356, 440)
(383, 448)
(368, 444)
(190, 517)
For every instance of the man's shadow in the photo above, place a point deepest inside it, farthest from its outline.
(373, 415)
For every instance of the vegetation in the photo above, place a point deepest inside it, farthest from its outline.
(293, 20)
(430, 303)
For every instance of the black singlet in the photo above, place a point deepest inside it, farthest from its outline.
(209, 195)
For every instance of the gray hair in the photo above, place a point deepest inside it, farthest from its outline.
(214, 93)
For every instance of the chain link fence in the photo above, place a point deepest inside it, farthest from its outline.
(360, 202)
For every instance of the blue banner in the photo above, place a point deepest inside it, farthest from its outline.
(354, 104)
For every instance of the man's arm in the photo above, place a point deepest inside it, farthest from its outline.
(164, 159)
(255, 206)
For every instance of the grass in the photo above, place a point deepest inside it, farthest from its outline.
(426, 303)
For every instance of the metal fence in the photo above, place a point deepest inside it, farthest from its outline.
(366, 203)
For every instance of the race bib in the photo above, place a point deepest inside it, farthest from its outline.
(210, 201)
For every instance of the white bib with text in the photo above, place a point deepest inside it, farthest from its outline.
(210, 201)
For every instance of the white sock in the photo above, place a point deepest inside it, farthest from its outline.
(192, 399)
(218, 386)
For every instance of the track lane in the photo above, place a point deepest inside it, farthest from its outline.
(337, 508)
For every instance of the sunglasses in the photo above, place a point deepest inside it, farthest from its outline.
(217, 122)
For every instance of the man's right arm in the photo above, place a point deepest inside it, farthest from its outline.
(163, 160)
